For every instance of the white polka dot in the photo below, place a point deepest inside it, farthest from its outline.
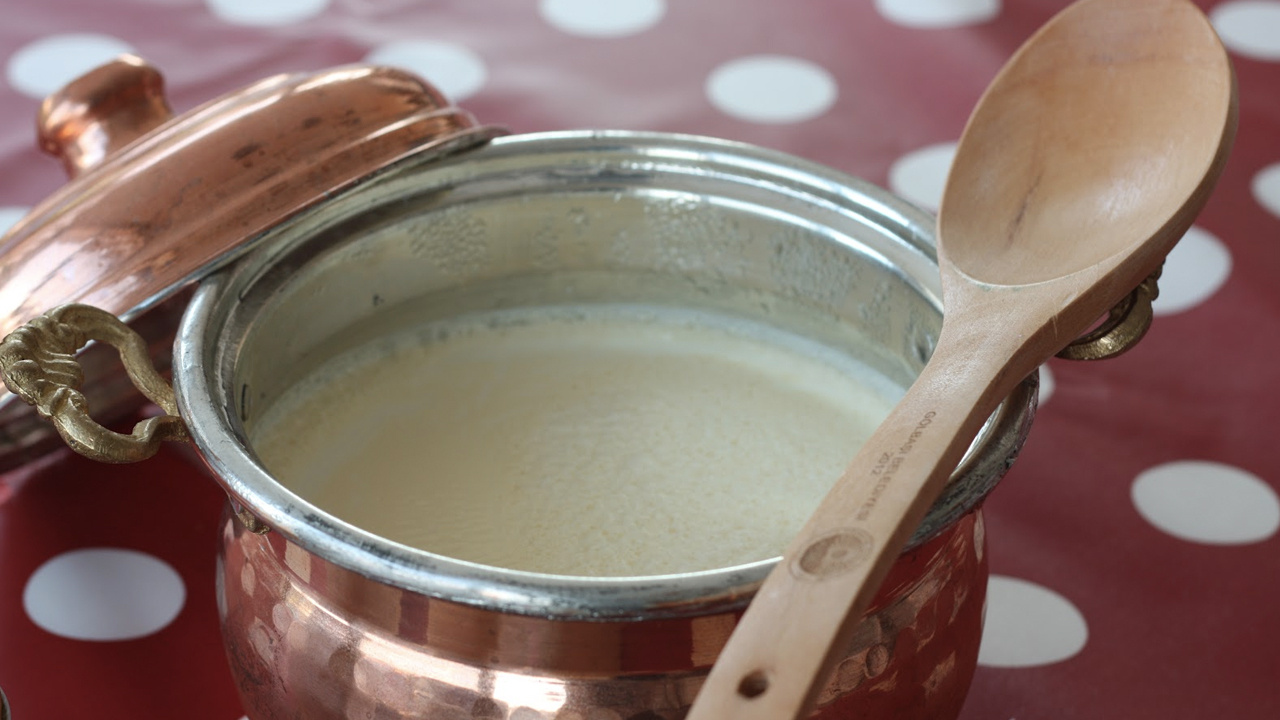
(104, 594)
(1198, 265)
(938, 13)
(266, 13)
(771, 89)
(454, 70)
(1266, 188)
(1047, 385)
(9, 216)
(593, 18)
(45, 65)
(1207, 502)
(1028, 625)
(921, 175)
(1249, 27)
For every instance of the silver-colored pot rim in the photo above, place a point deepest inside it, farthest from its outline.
(541, 595)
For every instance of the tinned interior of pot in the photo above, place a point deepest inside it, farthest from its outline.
(549, 220)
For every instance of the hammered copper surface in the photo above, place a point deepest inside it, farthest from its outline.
(307, 638)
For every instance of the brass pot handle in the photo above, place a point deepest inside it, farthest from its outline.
(1124, 326)
(39, 365)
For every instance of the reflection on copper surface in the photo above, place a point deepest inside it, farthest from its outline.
(42, 269)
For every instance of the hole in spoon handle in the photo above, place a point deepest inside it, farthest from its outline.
(753, 685)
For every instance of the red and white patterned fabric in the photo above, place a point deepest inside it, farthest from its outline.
(1135, 554)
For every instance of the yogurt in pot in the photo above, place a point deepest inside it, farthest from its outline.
(610, 440)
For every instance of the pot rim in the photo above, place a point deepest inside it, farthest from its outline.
(552, 596)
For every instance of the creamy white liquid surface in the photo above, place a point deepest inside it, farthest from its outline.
(611, 441)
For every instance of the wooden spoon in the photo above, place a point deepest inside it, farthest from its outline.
(1084, 162)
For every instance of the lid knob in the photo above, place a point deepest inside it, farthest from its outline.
(101, 112)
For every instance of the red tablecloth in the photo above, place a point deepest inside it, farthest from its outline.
(1134, 546)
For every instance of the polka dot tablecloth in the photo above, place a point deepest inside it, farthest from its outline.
(1135, 555)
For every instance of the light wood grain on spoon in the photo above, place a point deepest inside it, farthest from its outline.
(1084, 162)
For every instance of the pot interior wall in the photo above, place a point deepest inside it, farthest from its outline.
(554, 229)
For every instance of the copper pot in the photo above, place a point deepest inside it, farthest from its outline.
(301, 257)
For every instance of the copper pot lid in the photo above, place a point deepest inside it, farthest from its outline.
(156, 201)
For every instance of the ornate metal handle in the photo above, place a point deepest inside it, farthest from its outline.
(1123, 327)
(39, 365)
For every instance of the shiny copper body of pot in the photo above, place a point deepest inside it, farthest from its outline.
(307, 638)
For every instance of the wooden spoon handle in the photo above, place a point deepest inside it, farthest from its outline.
(805, 613)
